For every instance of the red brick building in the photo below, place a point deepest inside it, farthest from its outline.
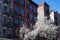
(21, 12)
(26, 10)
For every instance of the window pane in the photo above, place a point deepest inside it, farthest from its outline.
(31, 16)
(21, 22)
(35, 10)
(0, 4)
(35, 18)
(16, 0)
(16, 9)
(22, 2)
(4, 31)
(30, 7)
(31, 25)
(8, 20)
(27, 15)
(7, 1)
(26, 24)
(22, 12)
(16, 20)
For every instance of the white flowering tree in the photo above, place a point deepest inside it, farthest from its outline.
(23, 30)
(43, 27)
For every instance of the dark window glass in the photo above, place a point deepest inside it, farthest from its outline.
(22, 2)
(22, 12)
(31, 7)
(27, 15)
(3, 30)
(30, 16)
(31, 25)
(26, 24)
(8, 20)
(35, 18)
(10, 10)
(16, 9)
(16, 20)
(4, 10)
(21, 22)
(35, 10)
(17, 1)
(7, 1)
(0, 4)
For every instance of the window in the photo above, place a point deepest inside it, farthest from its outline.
(10, 10)
(16, 9)
(35, 10)
(4, 31)
(8, 20)
(5, 7)
(35, 18)
(21, 22)
(31, 7)
(30, 16)
(0, 2)
(27, 15)
(22, 2)
(16, 1)
(31, 25)
(21, 12)
(26, 24)
(7, 1)
(16, 20)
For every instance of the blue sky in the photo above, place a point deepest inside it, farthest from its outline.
(54, 4)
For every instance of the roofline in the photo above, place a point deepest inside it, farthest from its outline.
(33, 3)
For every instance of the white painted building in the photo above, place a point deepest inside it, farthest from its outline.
(52, 15)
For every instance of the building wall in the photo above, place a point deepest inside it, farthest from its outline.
(7, 11)
(44, 13)
(42, 18)
(29, 12)
(58, 19)
(1, 19)
(52, 15)
(45, 23)
(21, 13)
(46, 9)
